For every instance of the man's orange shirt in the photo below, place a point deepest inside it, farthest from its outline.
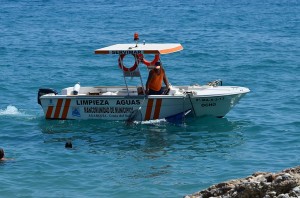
(156, 80)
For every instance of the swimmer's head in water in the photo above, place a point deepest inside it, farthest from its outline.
(68, 144)
(1, 153)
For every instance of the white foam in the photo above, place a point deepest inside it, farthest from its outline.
(10, 110)
(157, 121)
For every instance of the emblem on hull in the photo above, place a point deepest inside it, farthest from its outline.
(75, 112)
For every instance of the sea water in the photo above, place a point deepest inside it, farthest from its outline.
(51, 43)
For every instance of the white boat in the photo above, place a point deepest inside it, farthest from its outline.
(130, 102)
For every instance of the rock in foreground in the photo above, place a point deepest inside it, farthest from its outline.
(284, 184)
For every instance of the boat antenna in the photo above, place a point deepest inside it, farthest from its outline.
(136, 38)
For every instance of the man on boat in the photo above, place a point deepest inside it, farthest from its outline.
(155, 78)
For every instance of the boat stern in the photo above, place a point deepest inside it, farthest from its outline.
(44, 91)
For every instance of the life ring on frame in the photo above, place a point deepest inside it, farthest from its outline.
(151, 63)
(126, 69)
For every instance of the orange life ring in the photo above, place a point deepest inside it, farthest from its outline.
(151, 63)
(126, 69)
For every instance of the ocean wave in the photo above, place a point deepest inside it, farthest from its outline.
(10, 110)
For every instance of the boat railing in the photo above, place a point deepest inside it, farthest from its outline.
(105, 91)
(130, 90)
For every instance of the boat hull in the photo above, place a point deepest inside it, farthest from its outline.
(217, 106)
(111, 108)
(136, 107)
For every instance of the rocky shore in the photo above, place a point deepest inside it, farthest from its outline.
(284, 184)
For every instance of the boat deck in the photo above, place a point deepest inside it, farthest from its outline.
(203, 91)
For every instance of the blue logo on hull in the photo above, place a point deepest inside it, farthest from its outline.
(75, 112)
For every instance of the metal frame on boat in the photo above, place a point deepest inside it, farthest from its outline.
(131, 102)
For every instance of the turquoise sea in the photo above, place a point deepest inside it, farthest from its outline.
(51, 43)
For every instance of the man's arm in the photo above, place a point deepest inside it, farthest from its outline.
(166, 80)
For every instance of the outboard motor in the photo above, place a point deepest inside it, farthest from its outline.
(44, 91)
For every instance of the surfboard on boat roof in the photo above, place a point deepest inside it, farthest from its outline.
(151, 48)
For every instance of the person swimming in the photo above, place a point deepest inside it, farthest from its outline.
(68, 144)
(2, 154)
